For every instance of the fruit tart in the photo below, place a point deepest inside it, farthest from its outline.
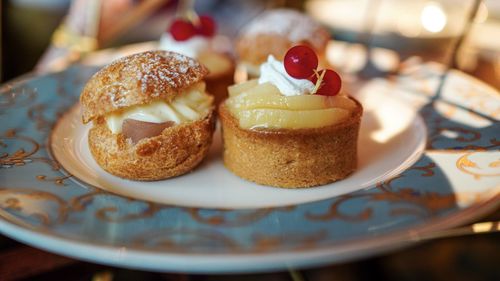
(273, 33)
(291, 127)
(151, 116)
(195, 38)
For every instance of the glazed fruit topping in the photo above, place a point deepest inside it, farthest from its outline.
(263, 105)
(183, 30)
(300, 62)
(329, 82)
(206, 26)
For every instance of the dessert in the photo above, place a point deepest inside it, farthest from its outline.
(195, 39)
(291, 127)
(151, 117)
(273, 33)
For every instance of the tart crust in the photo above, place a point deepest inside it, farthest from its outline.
(291, 158)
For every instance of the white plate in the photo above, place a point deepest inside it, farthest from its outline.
(455, 180)
(392, 138)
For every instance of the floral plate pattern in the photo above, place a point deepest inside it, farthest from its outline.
(456, 180)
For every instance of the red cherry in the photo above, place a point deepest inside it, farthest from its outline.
(331, 84)
(182, 30)
(207, 26)
(300, 62)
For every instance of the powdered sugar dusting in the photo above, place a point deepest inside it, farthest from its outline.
(292, 24)
(160, 71)
(139, 79)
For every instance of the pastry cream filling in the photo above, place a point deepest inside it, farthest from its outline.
(216, 63)
(191, 47)
(258, 105)
(198, 47)
(193, 104)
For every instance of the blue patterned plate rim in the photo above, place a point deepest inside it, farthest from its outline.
(60, 216)
(230, 263)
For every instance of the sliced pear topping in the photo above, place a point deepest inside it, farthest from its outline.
(239, 88)
(279, 118)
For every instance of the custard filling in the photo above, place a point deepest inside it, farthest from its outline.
(199, 47)
(263, 106)
(217, 64)
(192, 104)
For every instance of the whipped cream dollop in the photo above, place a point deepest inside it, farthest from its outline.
(273, 71)
(191, 47)
(192, 105)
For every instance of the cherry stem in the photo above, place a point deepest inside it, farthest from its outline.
(194, 18)
(185, 9)
(319, 81)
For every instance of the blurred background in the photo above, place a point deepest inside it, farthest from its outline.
(387, 34)
(398, 29)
